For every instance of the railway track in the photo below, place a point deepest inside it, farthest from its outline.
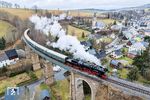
(138, 89)
(124, 84)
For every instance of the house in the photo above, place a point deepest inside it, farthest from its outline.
(44, 95)
(116, 54)
(100, 25)
(101, 54)
(135, 39)
(147, 32)
(130, 34)
(87, 44)
(95, 36)
(132, 54)
(115, 64)
(8, 57)
(143, 24)
(138, 38)
(4, 60)
(116, 27)
(136, 49)
(92, 51)
(131, 42)
(97, 24)
(127, 35)
(12, 55)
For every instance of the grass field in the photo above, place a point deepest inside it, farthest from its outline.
(77, 32)
(43, 86)
(22, 13)
(61, 89)
(80, 13)
(87, 97)
(123, 73)
(25, 13)
(130, 61)
(13, 81)
(4, 28)
(107, 21)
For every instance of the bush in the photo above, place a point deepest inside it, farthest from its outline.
(16, 73)
(26, 82)
(133, 74)
(146, 74)
(2, 43)
(3, 70)
(32, 75)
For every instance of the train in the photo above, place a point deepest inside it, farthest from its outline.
(85, 66)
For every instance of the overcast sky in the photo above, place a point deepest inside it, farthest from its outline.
(80, 4)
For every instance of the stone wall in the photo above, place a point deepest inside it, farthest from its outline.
(110, 93)
(48, 73)
(99, 90)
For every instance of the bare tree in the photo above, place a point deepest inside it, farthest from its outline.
(16, 6)
(35, 7)
(48, 14)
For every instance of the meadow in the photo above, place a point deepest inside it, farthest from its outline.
(107, 21)
(21, 13)
(5, 28)
(77, 32)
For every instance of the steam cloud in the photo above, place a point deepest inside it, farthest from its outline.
(65, 42)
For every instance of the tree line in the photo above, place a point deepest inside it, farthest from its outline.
(4, 4)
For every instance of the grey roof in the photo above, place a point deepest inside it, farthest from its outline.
(86, 43)
(148, 30)
(118, 52)
(11, 54)
(92, 51)
(101, 54)
(114, 62)
(3, 57)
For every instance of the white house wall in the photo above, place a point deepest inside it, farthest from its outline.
(8, 62)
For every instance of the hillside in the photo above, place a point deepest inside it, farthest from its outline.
(5, 28)
(22, 13)
(25, 13)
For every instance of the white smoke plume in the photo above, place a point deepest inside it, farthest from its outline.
(56, 30)
(62, 16)
(65, 42)
(72, 44)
